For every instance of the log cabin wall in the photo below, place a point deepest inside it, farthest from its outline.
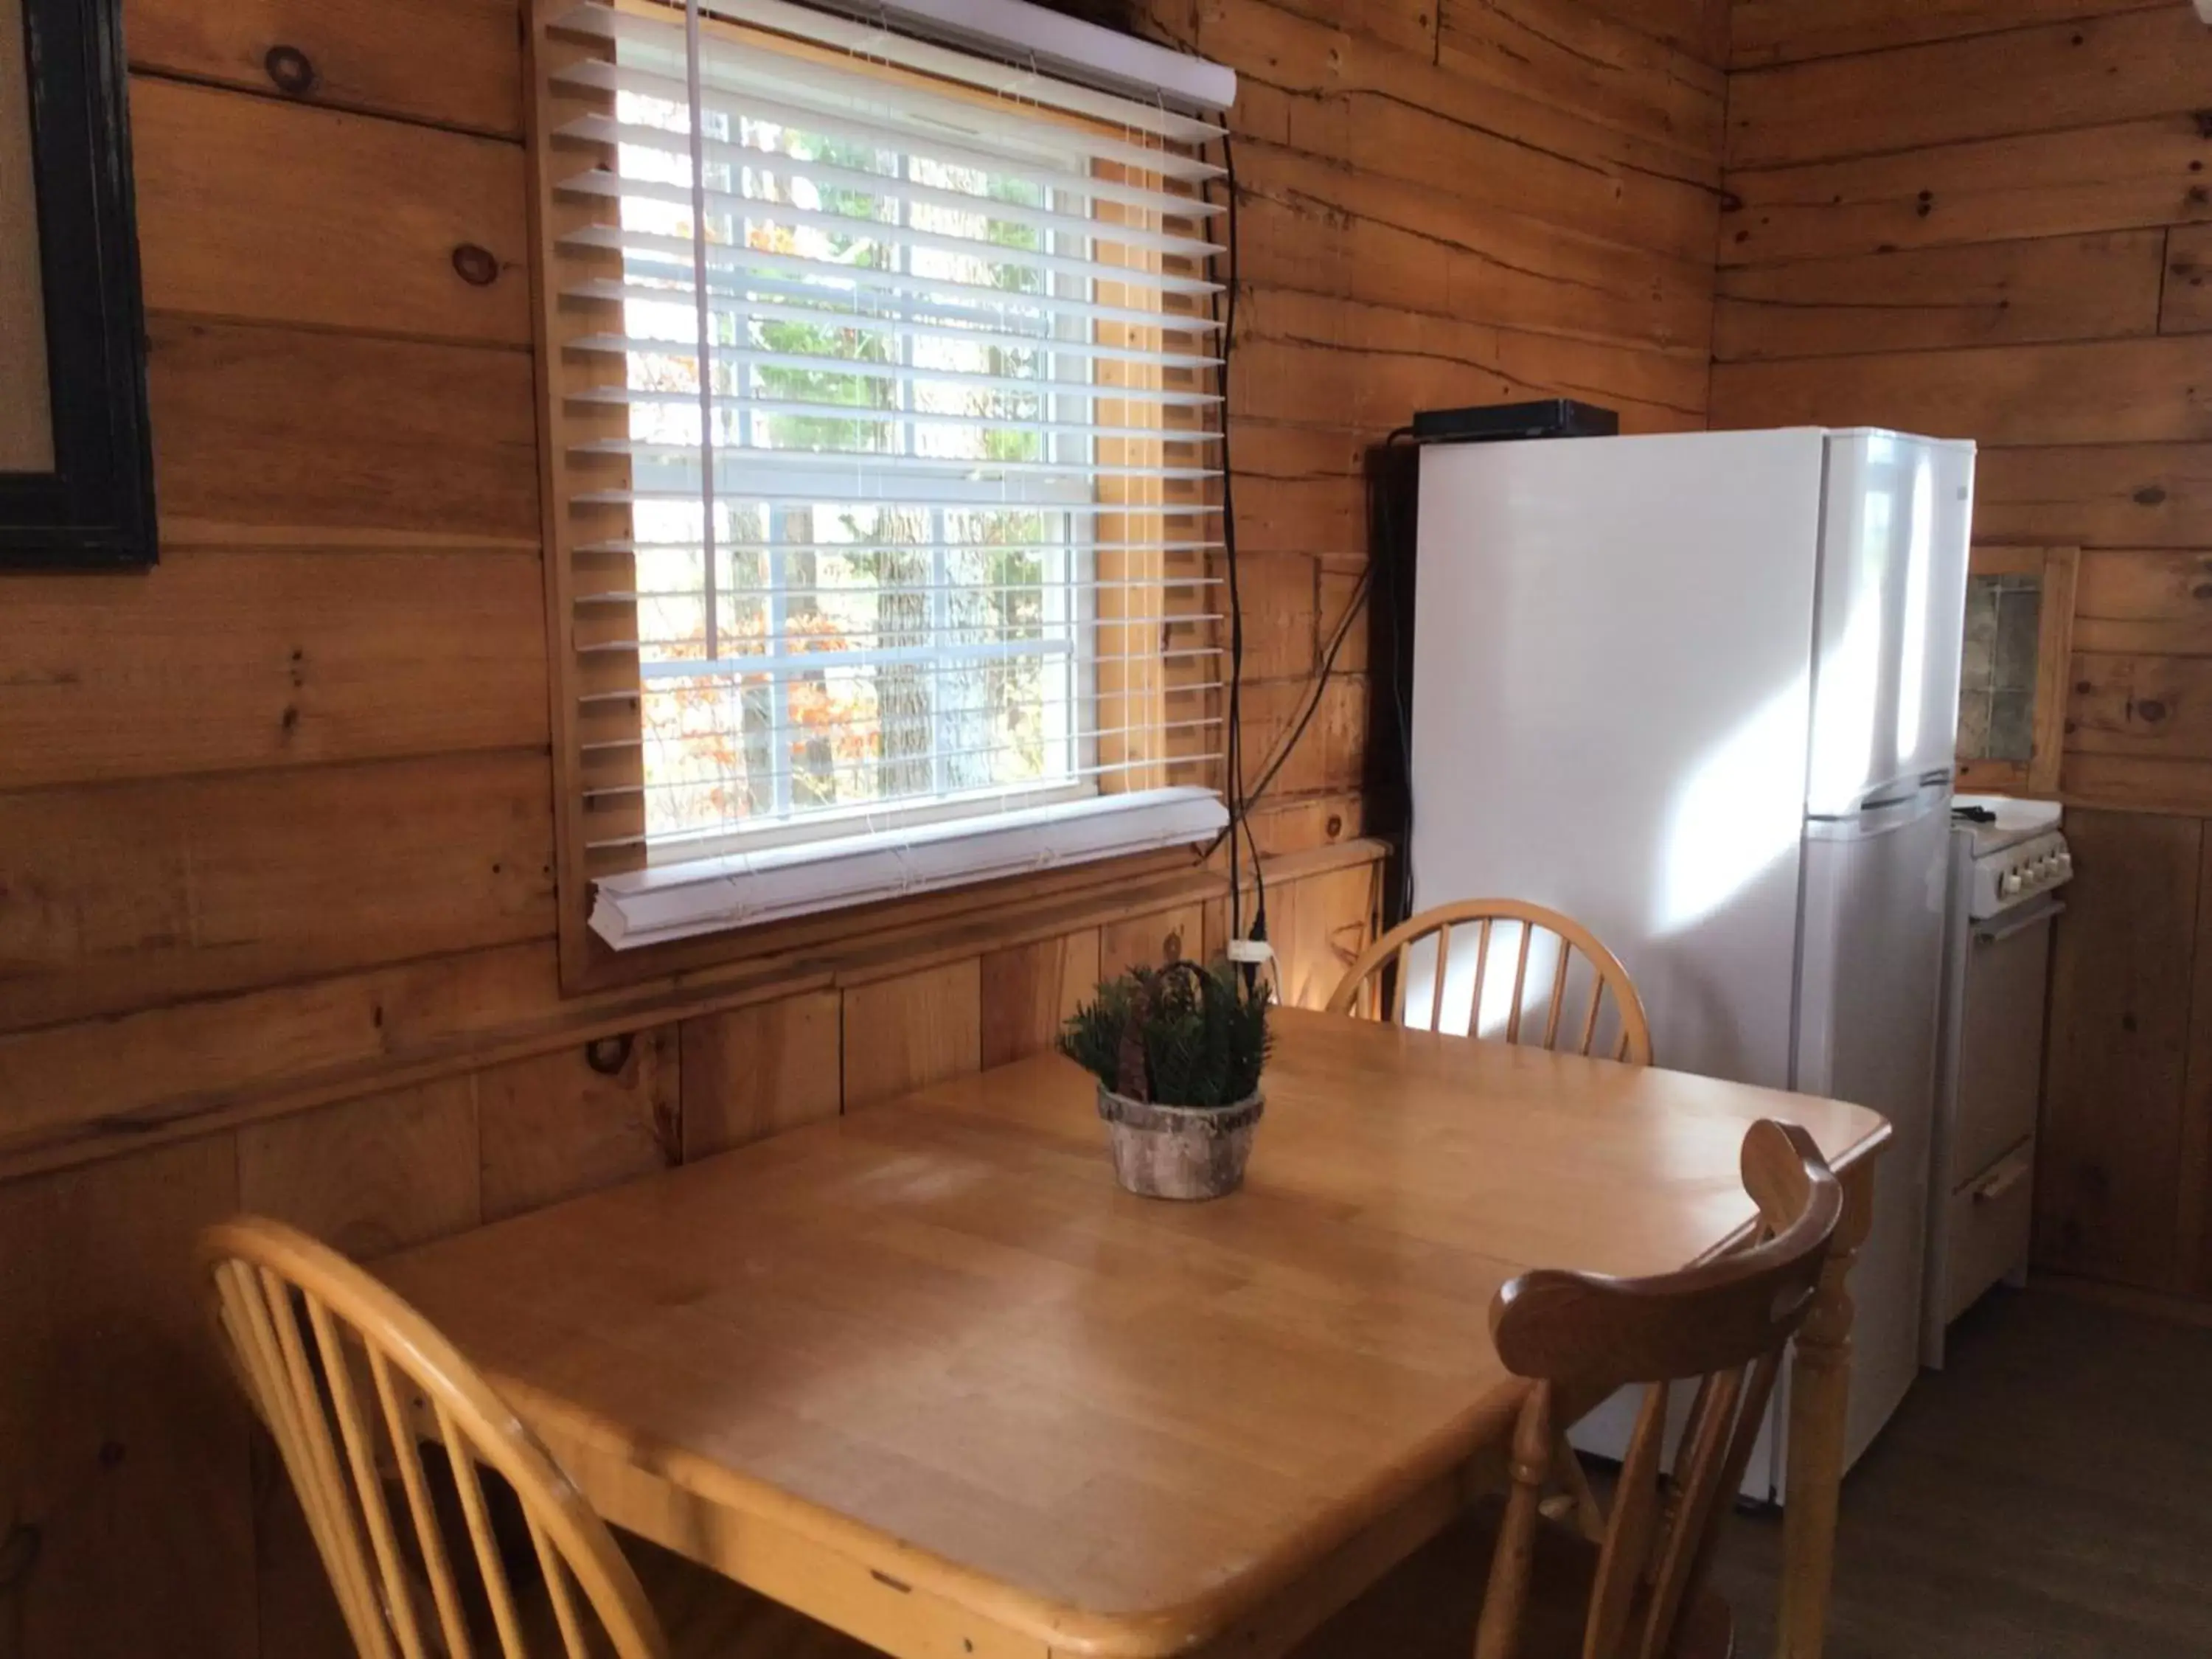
(1994, 219)
(276, 902)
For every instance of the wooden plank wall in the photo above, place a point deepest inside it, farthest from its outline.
(1994, 219)
(277, 903)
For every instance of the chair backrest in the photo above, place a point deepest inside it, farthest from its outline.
(349, 1378)
(1721, 1330)
(1457, 974)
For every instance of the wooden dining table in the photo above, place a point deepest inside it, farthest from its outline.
(924, 1373)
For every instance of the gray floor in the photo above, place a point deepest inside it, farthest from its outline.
(2047, 1495)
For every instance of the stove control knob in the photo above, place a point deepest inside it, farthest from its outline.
(2009, 885)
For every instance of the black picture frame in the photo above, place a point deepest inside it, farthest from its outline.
(95, 509)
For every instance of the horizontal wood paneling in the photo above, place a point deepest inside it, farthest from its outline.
(342, 236)
(2110, 391)
(2040, 184)
(1500, 144)
(1276, 596)
(1330, 754)
(317, 439)
(2160, 707)
(1699, 28)
(2134, 784)
(2144, 601)
(217, 660)
(2100, 495)
(2188, 306)
(1321, 226)
(1366, 365)
(1767, 31)
(119, 896)
(105, 1084)
(2081, 72)
(455, 61)
(1568, 56)
(2064, 287)
(79, 1090)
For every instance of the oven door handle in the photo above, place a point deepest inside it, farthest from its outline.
(2001, 1180)
(2035, 918)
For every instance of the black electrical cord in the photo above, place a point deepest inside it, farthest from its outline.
(1233, 747)
(1283, 751)
(1221, 269)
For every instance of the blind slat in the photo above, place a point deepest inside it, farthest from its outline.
(823, 286)
(631, 545)
(906, 500)
(886, 190)
(598, 181)
(744, 461)
(1174, 437)
(617, 791)
(819, 277)
(884, 325)
(641, 346)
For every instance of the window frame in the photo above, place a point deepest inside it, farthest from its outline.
(2056, 569)
(586, 962)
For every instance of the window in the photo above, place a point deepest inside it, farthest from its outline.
(2012, 680)
(889, 429)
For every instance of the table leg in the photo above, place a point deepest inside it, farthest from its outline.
(1819, 1388)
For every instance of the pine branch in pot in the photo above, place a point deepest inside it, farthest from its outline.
(1177, 1052)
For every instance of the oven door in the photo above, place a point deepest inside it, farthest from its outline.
(2000, 1065)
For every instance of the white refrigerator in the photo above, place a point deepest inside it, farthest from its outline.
(1700, 692)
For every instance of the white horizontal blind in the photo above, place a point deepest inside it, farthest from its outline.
(891, 434)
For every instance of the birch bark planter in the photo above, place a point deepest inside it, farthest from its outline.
(1178, 1151)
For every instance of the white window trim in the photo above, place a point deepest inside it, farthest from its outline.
(663, 903)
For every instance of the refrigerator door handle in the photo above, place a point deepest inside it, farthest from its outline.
(1890, 808)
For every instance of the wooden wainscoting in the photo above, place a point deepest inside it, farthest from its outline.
(134, 1514)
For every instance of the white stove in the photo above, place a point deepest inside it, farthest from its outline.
(2005, 870)
(2021, 854)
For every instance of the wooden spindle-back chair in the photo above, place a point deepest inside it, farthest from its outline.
(1720, 1330)
(347, 1376)
(1639, 1592)
(1502, 922)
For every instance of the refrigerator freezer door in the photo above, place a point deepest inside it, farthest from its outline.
(1869, 992)
(1892, 614)
(1611, 685)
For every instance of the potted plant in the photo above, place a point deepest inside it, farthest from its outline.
(1177, 1052)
